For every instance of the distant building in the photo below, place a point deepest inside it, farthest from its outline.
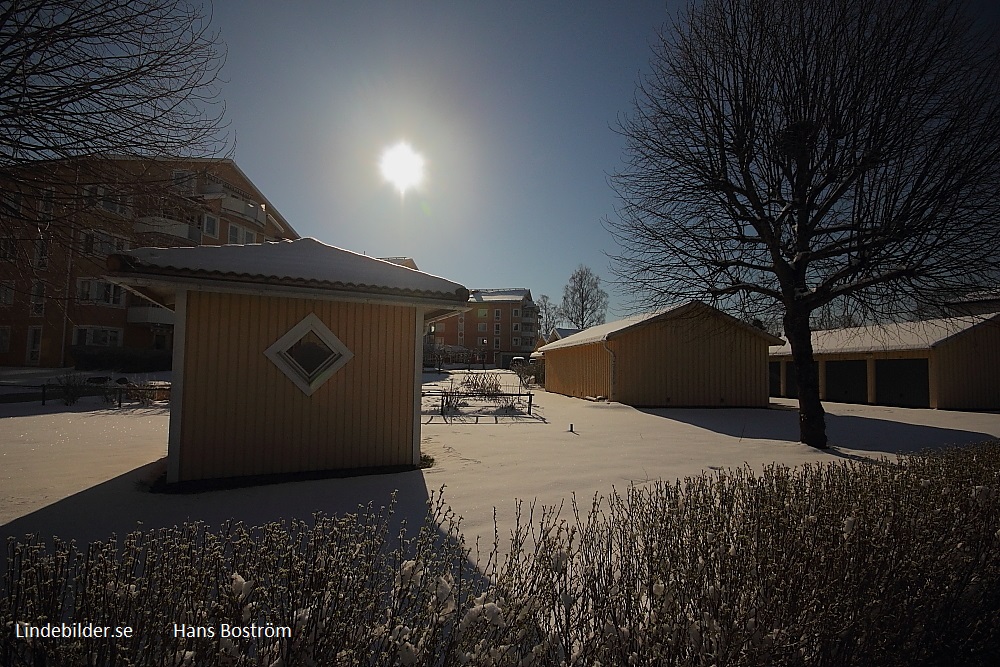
(500, 325)
(59, 221)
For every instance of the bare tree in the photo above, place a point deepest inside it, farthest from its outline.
(786, 155)
(548, 314)
(87, 83)
(584, 303)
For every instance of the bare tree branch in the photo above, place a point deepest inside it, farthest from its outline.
(788, 157)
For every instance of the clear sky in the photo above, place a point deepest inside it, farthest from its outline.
(512, 104)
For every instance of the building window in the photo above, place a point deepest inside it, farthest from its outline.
(102, 243)
(8, 250)
(517, 326)
(4, 340)
(7, 293)
(89, 290)
(34, 351)
(10, 204)
(482, 342)
(97, 336)
(496, 329)
(46, 204)
(515, 313)
(210, 225)
(37, 299)
(496, 314)
(516, 342)
(41, 259)
(184, 182)
(496, 343)
(108, 200)
(482, 312)
(481, 327)
(238, 235)
(309, 354)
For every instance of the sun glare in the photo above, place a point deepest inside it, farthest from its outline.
(402, 166)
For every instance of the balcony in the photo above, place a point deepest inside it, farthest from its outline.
(169, 226)
(246, 210)
(150, 315)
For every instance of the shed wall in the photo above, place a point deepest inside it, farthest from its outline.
(967, 370)
(579, 371)
(690, 361)
(243, 416)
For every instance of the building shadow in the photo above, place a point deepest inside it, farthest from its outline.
(855, 432)
(122, 505)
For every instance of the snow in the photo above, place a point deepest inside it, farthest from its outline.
(72, 472)
(921, 335)
(303, 259)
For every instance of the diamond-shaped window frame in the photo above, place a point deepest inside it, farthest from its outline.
(278, 353)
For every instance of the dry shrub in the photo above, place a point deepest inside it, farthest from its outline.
(884, 563)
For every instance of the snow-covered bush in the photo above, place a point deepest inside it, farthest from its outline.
(857, 563)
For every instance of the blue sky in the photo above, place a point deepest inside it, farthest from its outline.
(511, 104)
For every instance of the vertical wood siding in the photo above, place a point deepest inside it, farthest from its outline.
(689, 361)
(967, 370)
(695, 360)
(243, 416)
(580, 371)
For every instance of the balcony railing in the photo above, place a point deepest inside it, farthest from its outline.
(254, 212)
(160, 225)
(149, 315)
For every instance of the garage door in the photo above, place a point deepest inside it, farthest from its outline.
(902, 382)
(847, 381)
(774, 378)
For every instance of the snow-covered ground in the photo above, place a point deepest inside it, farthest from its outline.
(72, 471)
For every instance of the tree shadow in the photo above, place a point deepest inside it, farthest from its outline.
(855, 432)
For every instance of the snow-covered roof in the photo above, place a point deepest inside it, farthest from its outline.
(402, 261)
(561, 332)
(302, 263)
(981, 296)
(603, 332)
(503, 294)
(896, 336)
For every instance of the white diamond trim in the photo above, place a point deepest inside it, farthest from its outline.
(310, 323)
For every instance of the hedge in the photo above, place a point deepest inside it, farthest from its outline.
(852, 563)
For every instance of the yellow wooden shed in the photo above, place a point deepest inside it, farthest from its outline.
(689, 355)
(290, 357)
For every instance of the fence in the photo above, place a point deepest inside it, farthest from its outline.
(113, 393)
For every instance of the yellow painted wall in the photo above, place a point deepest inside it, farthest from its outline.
(242, 416)
(580, 371)
(967, 369)
(695, 360)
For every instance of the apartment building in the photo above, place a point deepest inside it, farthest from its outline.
(500, 325)
(58, 222)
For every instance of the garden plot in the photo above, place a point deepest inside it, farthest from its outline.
(472, 396)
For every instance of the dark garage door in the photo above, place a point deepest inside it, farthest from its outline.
(847, 381)
(774, 378)
(902, 382)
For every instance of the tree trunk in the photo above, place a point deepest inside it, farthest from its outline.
(812, 418)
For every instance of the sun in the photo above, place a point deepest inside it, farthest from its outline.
(402, 166)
